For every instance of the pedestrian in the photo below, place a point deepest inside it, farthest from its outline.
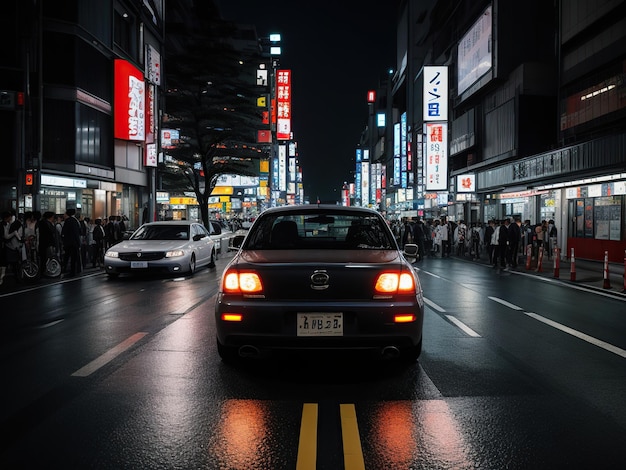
(490, 242)
(540, 231)
(112, 232)
(407, 232)
(71, 242)
(98, 244)
(460, 237)
(515, 235)
(47, 239)
(419, 235)
(84, 240)
(12, 244)
(503, 242)
(444, 237)
(552, 236)
(475, 237)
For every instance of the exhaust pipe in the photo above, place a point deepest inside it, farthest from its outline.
(247, 350)
(390, 352)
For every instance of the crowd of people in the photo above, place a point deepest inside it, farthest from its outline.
(74, 241)
(501, 242)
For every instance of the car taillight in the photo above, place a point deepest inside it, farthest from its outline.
(404, 318)
(395, 283)
(242, 283)
(236, 317)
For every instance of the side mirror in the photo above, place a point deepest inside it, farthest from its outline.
(236, 242)
(217, 228)
(198, 236)
(411, 250)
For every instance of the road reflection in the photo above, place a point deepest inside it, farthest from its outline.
(242, 438)
(406, 432)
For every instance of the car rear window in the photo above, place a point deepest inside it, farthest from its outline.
(320, 231)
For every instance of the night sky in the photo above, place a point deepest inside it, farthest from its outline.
(337, 51)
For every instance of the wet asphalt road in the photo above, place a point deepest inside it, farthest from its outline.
(124, 374)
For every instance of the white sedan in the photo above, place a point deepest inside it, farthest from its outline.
(171, 247)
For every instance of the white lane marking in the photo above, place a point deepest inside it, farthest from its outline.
(108, 356)
(463, 326)
(505, 303)
(48, 325)
(430, 274)
(590, 339)
(433, 305)
(609, 294)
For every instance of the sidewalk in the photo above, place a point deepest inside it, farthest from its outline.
(588, 273)
(10, 284)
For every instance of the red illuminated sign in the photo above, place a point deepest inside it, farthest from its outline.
(283, 104)
(130, 102)
(371, 96)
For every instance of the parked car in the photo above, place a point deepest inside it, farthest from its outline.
(171, 246)
(320, 278)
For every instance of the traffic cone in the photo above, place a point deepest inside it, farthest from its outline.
(539, 259)
(624, 291)
(572, 269)
(607, 281)
(557, 261)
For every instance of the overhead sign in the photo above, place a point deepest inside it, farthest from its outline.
(435, 93)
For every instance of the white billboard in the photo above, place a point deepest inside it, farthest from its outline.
(474, 55)
(436, 156)
(435, 93)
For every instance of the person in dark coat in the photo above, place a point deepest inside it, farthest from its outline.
(419, 237)
(515, 236)
(70, 235)
(503, 242)
(47, 238)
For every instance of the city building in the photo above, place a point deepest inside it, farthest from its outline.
(504, 109)
(80, 85)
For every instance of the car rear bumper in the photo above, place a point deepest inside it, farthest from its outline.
(273, 326)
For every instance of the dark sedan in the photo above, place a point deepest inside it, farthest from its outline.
(320, 278)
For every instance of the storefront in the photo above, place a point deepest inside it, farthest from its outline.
(91, 198)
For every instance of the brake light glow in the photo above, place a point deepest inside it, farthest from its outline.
(392, 283)
(232, 317)
(404, 318)
(242, 283)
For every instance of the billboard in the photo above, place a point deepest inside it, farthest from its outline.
(436, 156)
(466, 183)
(474, 54)
(130, 102)
(283, 104)
(435, 93)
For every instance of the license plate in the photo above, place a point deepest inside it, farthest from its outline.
(320, 324)
(138, 264)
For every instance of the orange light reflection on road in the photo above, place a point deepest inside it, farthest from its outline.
(406, 432)
(242, 438)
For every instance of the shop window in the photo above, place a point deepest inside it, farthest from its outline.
(608, 218)
(600, 218)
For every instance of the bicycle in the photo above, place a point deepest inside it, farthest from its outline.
(53, 265)
(29, 267)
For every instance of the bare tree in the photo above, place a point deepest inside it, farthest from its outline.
(211, 100)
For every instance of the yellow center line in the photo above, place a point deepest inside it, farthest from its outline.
(352, 452)
(307, 446)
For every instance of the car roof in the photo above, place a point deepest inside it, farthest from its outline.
(320, 207)
(172, 222)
